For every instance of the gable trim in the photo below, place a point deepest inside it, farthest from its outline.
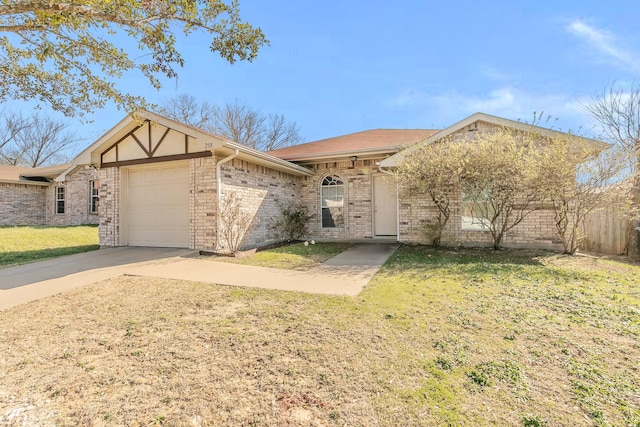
(171, 158)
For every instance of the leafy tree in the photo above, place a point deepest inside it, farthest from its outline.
(433, 170)
(579, 178)
(617, 110)
(235, 121)
(35, 141)
(500, 174)
(70, 54)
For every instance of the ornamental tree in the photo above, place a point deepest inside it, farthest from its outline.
(432, 170)
(70, 55)
(500, 171)
(579, 178)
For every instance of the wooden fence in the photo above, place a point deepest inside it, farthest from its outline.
(606, 232)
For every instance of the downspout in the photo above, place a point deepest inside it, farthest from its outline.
(219, 177)
(380, 168)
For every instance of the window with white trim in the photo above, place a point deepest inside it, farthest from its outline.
(94, 198)
(60, 200)
(332, 202)
(476, 214)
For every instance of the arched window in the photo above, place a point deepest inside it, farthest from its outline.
(332, 198)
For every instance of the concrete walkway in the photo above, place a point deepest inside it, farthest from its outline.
(344, 274)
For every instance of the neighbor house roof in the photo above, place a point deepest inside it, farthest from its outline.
(365, 142)
(21, 175)
(46, 172)
(396, 159)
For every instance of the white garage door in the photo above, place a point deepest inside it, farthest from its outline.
(158, 207)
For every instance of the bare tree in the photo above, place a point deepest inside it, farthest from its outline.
(235, 121)
(186, 109)
(617, 110)
(38, 141)
(234, 222)
(10, 126)
(239, 123)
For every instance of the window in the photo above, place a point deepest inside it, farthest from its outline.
(332, 198)
(60, 200)
(93, 196)
(476, 214)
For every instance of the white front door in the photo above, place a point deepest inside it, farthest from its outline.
(385, 212)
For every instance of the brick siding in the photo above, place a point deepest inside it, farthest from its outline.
(77, 198)
(22, 204)
(109, 208)
(262, 191)
(357, 207)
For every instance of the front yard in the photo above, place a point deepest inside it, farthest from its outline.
(439, 337)
(20, 245)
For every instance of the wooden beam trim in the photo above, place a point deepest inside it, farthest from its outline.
(135, 138)
(171, 158)
(166, 132)
(150, 152)
(186, 144)
(115, 144)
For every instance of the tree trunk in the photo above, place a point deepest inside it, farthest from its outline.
(633, 249)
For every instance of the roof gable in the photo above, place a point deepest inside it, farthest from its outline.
(146, 137)
(396, 159)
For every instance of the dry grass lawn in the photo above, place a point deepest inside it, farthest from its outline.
(439, 337)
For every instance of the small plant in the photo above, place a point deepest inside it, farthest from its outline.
(478, 377)
(234, 221)
(533, 421)
(294, 221)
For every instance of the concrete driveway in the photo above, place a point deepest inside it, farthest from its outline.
(345, 274)
(28, 282)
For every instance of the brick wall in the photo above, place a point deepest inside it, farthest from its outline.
(262, 191)
(77, 207)
(22, 204)
(203, 203)
(109, 228)
(357, 209)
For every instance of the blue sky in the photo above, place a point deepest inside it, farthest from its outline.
(342, 67)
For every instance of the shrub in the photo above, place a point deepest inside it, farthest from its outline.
(293, 222)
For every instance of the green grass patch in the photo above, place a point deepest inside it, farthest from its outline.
(292, 257)
(20, 245)
(439, 337)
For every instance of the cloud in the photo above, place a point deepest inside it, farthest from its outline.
(506, 101)
(606, 43)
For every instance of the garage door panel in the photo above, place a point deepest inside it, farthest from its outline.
(158, 207)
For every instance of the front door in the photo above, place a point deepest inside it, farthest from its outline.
(385, 212)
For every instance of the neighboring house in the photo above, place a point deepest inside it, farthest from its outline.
(32, 196)
(162, 184)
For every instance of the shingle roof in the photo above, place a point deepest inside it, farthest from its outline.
(368, 140)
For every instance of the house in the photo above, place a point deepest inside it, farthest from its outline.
(31, 196)
(162, 183)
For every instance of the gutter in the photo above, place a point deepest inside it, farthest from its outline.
(283, 164)
(380, 168)
(219, 177)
